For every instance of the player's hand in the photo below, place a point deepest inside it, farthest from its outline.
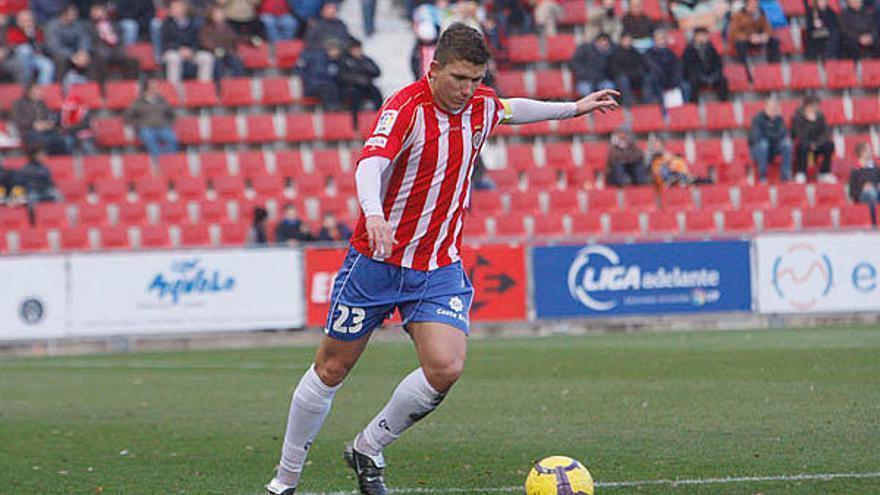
(379, 235)
(606, 100)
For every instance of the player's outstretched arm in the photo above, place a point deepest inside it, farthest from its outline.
(525, 111)
(606, 100)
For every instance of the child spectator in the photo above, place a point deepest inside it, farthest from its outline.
(812, 135)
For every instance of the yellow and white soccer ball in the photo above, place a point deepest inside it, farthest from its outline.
(559, 475)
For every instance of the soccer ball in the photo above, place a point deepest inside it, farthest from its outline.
(559, 475)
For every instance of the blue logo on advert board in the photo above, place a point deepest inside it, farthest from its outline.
(188, 277)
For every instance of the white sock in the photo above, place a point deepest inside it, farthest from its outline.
(308, 408)
(411, 401)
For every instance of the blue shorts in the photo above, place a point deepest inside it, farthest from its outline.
(367, 291)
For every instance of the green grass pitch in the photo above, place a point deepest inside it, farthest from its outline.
(688, 405)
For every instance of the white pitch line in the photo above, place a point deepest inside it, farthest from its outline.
(159, 365)
(630, 484)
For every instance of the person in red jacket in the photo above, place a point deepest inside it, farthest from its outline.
(279, 22)
(25, 39)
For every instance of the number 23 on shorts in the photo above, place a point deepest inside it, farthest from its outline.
(354, 326)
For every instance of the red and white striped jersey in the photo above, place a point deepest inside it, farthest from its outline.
(426, 189)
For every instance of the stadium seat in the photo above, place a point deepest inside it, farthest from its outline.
(684, 118)
(574, 13)
(804, 75)
(505, 178)
(737, 77)
(287, 53)
(33, 240)
(840, 74)
(91, 214)
(268, 186)
(558, 155)
(789, 107)
(9, 94)
(486, 203)
(288, 163)
(189, 188)
(829, 195)
(188, 130)
(733, 173)
(300, 127)
(115, 237)
(172, 212)
(606, 123)
(509, 226)
(663, 223)
(850, 142)
(151, 188)
(520, 157)
(739, 221)
(224, 130)
(228, 187)
(327, 161)
(699, 222)
(173, 166)
(198, 94)
(641, 198)
(625, 223)
(715, 197)
(155, 236)
(550, 83)
(251, 163)
(109, 132)
(816, 218)
(534, 129)
(589, 223)
(573, 127)
(677, 199)
(233, 234)
(96, 167)
(750, 109)
(568, 201)
(549, 225)
(143, 53)
(276, 92)
(709, 151)
(121, 94)
(791, 196)
(75, 238)
(647, 118)
(525, 203)
(72, 190)
(195, 235)
(474, 227)
(135, 166)
(61, 166)
(778, 220)
(560, 48)
(595, 154)
(236, 92)
(260, 129)
(132, 214)
(53, 97)
(542, 178)
(870, 73)
(787, 45)
(254, 57)
(856, 216)
(309, 185)
(89, 93)
(832, 108)
(523, 49)
(720, 116)
(50, 215)
(793, 8)
(756, 197)
(866, 110)
(213, 164)
(602, 200)
(338, 126)
(767, 77)
(111, 190)
(511, 83)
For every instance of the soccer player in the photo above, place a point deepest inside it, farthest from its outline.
(413, 182)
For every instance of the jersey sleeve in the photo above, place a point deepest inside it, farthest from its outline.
(501, 107)
(390, 130)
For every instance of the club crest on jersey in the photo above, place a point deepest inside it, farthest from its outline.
(386, 122)
(477, 139)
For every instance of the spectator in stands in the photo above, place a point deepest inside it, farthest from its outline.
(629, 71)
(291, 230)
(36, 179)
(108, 52)
(278, 23)
(664, 68)
(423, 52)
(180, 45)
(304, 11)
(327, 27)
(36, 124)
(6, 183)
(76, 124)
(749, 29)
(368, 13)
(626, 161)
(604, 20)
(46, 10)
(703, 66)
(332, 229)
(8, 66)
(512, 16)
(257, 235)
(768, 138)
(864, 180)
(26, 40)
(69, 43)
(242, 16)
(357, 72)
(134, 19)
(823, 31)
(320, 73)
(667, 168)
(858, 27)
(639, 26)
(812, 136)
(691, 15)
(153, 118)
(547, 15)
(591, 67)
(218, 37)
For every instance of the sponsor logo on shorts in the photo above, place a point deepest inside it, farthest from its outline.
(456, 307)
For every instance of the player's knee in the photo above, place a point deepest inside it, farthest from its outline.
(331, 371)
(442, 376)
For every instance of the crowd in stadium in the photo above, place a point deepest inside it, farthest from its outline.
(669, 54)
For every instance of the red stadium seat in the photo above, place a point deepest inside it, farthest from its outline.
(135, 166)
(663, 222)
(720, 116)
(9, 94)
(778, 219)
(756, 197)
(300, 127)
(89, 93)
(602, 200)
(647, 118)
(870, 73)
(75, 238)
(841, 74)
(143, 53)
(832, 108)
(486, 203)
(327, 161)
(715, 197)
(699, 222)
(213, 164)
(475, 228)
(96, 167)
(684, 118)
(268, 186)
(856, 216)
(72, 190)
(791, 195)
(110, 132)
(236, 92)
(677, 199)
(550, 225)
(111, 190)
(254, 57)
(739, 221)
(525, 203)
(91, 214)
(595, 154)
(53, 97)
(793, 8)
(737, 77)
(115, 237)
(151, 188)
(233, 234)
(197, 94)
(606, 123)
(194, 235)
(829, 195)
(511, 83)
(641, 198)
(523, 48)
(558, 155)
(505, 178)
(251, 163)
(172, 212)
(132, 214)
(550, 83)
(509, 226)
(33, 240)
(61, 166)
(228, 187)
(560, 48)
(542, 178)
(224, 130)
(287, 53)
(188, 130)
(805, 75)
(575, 126)
(816, 218)
(121, 94)
(787, 45)
(310, 185)
(589, 223)
(534, 129)
(750, 109)
(709, 151)
(189, 188)
(338, 126)
(520, 157)
(866, 110)
(50, 215)
(174, 165)
(768, 77)
(288, 163)
(276, 91)
(567, 201)
(625, 223)
(574, 12)
(260, 129)
(155, 237)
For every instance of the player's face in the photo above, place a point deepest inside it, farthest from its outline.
(455, 83)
